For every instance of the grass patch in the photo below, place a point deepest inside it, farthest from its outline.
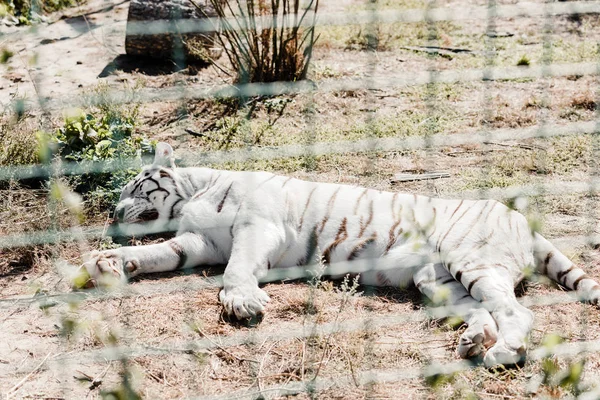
(524, 61)
(567, 155)
(383, 37)
(564, 156)
(18, 136)
(237, 131)
(27, 12)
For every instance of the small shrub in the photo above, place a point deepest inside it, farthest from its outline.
(369, 40)
(5, 56)
(585, 101)
(18, 144)
(264, 40)
(28, 11)
(108, 139)
(524, 61)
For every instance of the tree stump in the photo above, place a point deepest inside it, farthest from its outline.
(179, 45)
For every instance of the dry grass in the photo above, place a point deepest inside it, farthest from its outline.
(163, 317)
(18, 144)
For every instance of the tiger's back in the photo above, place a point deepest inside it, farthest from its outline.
(342, 223)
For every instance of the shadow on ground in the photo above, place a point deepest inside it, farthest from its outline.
(144, 65)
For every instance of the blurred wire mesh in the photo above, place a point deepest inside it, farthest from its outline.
(432, 75)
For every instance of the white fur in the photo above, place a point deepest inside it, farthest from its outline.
(457, 252)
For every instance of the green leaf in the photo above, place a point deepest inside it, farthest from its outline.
(103, 145)
(552, 340)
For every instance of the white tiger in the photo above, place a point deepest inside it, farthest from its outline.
(473, 251)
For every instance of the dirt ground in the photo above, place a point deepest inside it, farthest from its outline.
(163, 336)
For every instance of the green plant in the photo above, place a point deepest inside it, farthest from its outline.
(523, 61)
(5, 56)
(28, 11)
(108, 139)
(555, 377)
(266, 40)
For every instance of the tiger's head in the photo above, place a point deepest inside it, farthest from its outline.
(155, 194)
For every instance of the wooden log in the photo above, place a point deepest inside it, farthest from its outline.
(183, 48)
(419, 177)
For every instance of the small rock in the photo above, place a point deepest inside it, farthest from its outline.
(15, 77)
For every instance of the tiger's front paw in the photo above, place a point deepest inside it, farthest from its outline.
(243, 301)
(106, 268)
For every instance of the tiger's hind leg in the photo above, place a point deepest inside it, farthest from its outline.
(555, 265)
(494, 285)
(435, 282)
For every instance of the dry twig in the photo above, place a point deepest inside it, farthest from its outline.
(16, 388)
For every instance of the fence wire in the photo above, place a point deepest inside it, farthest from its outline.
(314, 331)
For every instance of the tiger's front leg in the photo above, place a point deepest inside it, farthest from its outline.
(187, 250)
(256, 246)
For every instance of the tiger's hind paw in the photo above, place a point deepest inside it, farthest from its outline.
(501, 354)
(476, 340)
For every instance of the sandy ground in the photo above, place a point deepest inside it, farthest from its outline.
(164, 336)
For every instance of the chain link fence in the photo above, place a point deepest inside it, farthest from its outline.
(500, 97)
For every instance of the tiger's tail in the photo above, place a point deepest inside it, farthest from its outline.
(555, 265)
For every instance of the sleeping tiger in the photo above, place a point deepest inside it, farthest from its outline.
(464, 252)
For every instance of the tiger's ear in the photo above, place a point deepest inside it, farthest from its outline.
(163, 156)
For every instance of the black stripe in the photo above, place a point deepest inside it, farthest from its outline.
(473, 224)
(180, 252)
(369, 220)
(339, 238)
(267, 180)
(361, 246)
(394, 197)
(159, 189)
(311, 246)
(454, 212)
(439, 243)
(172, 214)
(287, 180)
(564, 273)
(330, 204)
(306, 208)
(448, 281)
(359, 199)
(578, 280)
(458, 276)
(144, 180)
(478, 268)
(464, 297)
(546, 262)
(220, 206)
(136, 185)
(473, 282)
